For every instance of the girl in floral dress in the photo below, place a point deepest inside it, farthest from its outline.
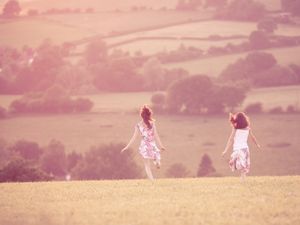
(148, 148)
(240, 157)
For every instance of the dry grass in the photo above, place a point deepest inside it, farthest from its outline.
(209, 201)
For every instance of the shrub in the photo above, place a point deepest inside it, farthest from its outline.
(20, 171)
(206, 167)
(276, 110)
(3, 112)
(292, 109)
(254, 108)
(53, 161)
(27, 149)
(177, 170)
(259, 40)
(83, 105)
(106, 162)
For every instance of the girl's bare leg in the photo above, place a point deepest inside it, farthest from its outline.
(148, 169)
(243, 175)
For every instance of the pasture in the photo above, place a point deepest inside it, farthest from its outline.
(187, 138)
(103, 5)
(209, 201)
(213, 66)
(32, 32)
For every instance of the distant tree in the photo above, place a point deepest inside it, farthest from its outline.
(215, 3)
(106, 162)
(245, 10)
(191, 94)
(11, 8)
(267, 25)
(29, 150)
(188, 4)
(73, 159)
(276, 76)
(259, 40)
(20, 170)
(53, 161)
(206, 167)
(32, 12)
(248, 68)
(95, 52)
(231, 96)
(177, 170)
(3, 112)
(158, 101)
(153, 74)
(254, 108)
(292, 6)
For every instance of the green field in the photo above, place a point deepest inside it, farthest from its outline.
(116, 4)
(215, 65)
(32, 32)
(207, 201)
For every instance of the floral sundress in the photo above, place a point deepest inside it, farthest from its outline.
(148, 148)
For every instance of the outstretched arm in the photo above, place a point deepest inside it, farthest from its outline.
(229, 142)
(157, 138)
(131, 140)
(254, 139)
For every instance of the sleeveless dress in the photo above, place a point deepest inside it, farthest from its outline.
(240, 157)
(148, 148)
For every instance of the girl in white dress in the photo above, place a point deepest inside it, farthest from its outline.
(240, 157)
(148, 148)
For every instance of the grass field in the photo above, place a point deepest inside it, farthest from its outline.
(215, 65)
(116, 4)
(207, 201)
(186, 138)
(32, 32)
(113, 119)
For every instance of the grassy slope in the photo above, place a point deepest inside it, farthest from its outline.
(215, 65)
(186, 138)
(32, 32)
(209, 201)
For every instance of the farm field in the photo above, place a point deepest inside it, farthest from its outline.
(33, 32)
(204, 29)
(209, 201)
(103, 5)
(106, 23)
(215, 65)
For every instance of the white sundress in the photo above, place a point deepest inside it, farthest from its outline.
(148, 148)
(240, 157)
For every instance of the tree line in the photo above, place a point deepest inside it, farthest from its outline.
(27, 161)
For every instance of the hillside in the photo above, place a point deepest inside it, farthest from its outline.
(209, 201)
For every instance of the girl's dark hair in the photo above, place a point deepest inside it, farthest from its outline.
(146, 114)
(239, 120)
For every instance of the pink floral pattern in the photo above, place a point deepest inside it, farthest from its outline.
(148, 148)
(240, 160)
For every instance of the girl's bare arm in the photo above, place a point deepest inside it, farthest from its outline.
(254, 139)
(229, 141)
(131, 140)
(157, 137)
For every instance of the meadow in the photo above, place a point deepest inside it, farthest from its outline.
(112, 120)
(209, 201)
(103, 5)
(213, 66)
